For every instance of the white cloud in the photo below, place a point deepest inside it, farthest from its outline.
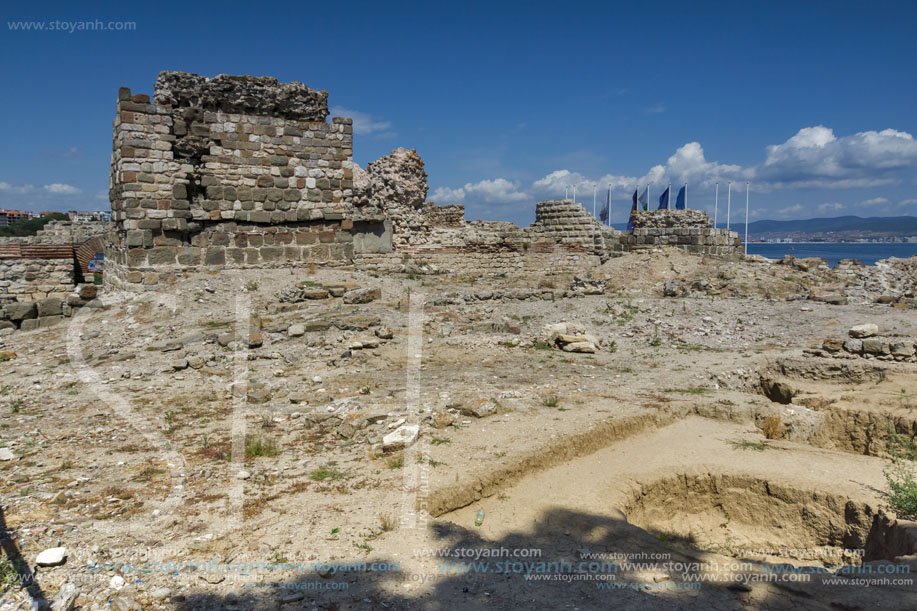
(655, 109)
(791, 209)
(61, 189)
(6, 187)
(907, 202)
(498, 190)
(363, 123)
(815, 157)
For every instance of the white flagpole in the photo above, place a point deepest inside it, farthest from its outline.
(609, 205)
(728, 204)
(716, 203)
(746, 218)
(566, 192)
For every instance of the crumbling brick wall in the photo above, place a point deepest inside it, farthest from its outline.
(227, 171)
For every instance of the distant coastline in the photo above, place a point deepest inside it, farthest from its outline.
(866, 253)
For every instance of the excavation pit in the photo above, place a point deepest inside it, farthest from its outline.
(756, 519)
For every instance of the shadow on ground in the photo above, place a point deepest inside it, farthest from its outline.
(561, 535)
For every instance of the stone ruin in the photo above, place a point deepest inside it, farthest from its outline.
(43, 277)
(240, 171)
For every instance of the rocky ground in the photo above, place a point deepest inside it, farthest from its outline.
(261, 439)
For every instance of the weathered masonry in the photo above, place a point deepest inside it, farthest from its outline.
(228, 171)
(242, 171)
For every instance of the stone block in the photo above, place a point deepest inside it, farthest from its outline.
(48, 307)
(21, 310)
(30, 324)
(216, 255)
(47, 321)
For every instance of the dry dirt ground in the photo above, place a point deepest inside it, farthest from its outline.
(182, 473)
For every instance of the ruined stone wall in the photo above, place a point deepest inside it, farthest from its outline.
(452, 215)
(217, 162)
(695, 240)
(28, 279)
(479, 260)
(671, 218)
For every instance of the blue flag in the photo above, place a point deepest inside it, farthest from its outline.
(630, 221)
(664, 199)
(605, 211)
(644, 197)
(680, 200)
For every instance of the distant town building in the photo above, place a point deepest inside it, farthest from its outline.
(8, 217)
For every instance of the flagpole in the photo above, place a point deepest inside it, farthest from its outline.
(746, 218)
(716, 203)
(728, 204)
(566, 192)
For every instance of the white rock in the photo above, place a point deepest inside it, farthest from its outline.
(296, 330)
(867, 330)
(117, 582)
(6, 454)
(52, 556)
(401, 437)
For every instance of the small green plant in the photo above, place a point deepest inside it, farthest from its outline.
(170, 421)
(328, 473)
(396, 462)
(612, 346)
(900, 446)
(16, 405)
(902, 481)
(72, 391)
(335, 531)
(656, 341)
(9, 573)
(692, 390)
(251, 286)
(550, 401)
(440, 440)
(748, 445)
(543, 346)
(260, 446)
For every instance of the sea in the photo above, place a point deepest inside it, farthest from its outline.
(865, 253)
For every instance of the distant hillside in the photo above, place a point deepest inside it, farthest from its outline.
(889, 226)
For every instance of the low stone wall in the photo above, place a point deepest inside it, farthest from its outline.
(481, 260)
(671, 218)
(881, 348)
(231, 245)
(23, 279)
(29, 315)
(699, 241)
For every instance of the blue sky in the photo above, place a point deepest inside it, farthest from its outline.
(814, 102)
